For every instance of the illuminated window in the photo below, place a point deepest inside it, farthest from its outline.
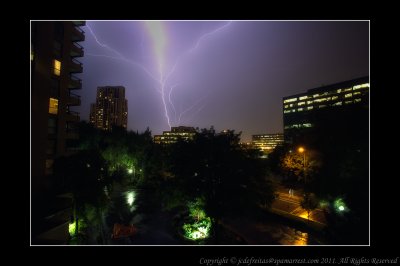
(347, 102)
(290, 100)
(57, 67)
(357, 100)
(356, 93)
(309, 107)
(53, 106)
(334, 97)
(348, 89)
(348, 95)
(357, 87)
(316, 95)
(309, 102)
(320, 100)
(286, 111)
(303, 97)
(301, 103)
(32, 55)
(300, 109)
(338, 103)
(286, 106)
(339, 90)
(307, 125)
(291, 105)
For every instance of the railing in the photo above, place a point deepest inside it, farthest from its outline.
(76, 61)
(75, 83)
(77, 45)
(71, 94)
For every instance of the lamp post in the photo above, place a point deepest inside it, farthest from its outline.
(303, 151)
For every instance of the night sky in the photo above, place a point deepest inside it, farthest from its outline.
(234, 77)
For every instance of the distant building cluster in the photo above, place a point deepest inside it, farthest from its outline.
(169, 137)
(267, 142)
(110, 109)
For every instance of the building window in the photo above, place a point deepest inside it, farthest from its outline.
(55, 87)
(51, 147)
(52, 126)
(53, 106)
(303, 98)
(49, 166)
(348, 95)
(56, 67)
(357, 87)
(290, 100)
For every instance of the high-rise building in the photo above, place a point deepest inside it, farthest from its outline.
(267, 142)
(110, 109)
(338, 103)
(54, 66)
(169, 137)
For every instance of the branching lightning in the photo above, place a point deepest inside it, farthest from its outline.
(157, 34)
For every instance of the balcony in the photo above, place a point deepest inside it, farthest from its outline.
(74, 83)
(73, 99)
(75, 66)
(72, 116)
(79, 23)
(76, 50)
(78, 35)
(72, 134)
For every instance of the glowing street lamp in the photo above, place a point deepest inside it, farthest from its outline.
(303, 151)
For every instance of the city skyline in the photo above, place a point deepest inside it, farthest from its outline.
(229, 74)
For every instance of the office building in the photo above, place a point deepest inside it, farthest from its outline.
(181, 132)
(267, 142)
(337, 103)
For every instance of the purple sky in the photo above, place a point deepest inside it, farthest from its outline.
(234, 79)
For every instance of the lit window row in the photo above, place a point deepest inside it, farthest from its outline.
(290, 100)
(357, 87)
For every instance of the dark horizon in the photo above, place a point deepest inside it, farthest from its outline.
(236, 76)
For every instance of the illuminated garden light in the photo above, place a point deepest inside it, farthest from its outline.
(72, 228)
(130, 171)
(130, 198)
(340, 205)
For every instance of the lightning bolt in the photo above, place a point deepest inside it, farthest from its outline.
(119, 57)
(190, 108)
(156, 31)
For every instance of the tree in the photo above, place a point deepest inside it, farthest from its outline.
(309, 203)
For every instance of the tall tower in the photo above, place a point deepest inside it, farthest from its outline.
(110, 109)
(54, 66)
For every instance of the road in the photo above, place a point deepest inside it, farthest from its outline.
(291, 205)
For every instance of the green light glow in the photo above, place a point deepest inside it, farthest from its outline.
(340, 205)
(199, 230)
(72, 228)
(130, 171)
(130, 198)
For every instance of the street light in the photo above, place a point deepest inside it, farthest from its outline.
(303, 151)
